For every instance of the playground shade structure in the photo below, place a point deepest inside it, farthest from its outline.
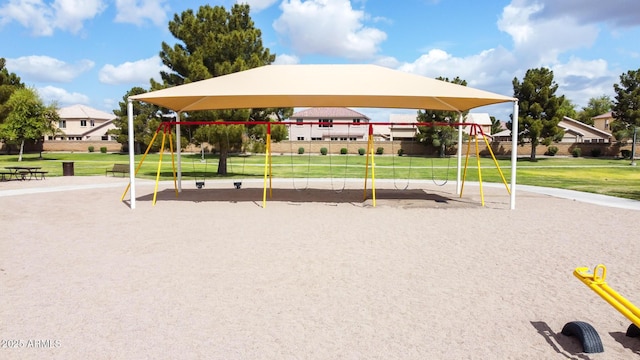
(351, 85)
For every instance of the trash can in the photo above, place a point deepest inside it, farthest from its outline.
(67, 168)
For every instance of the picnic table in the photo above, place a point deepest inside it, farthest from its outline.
(22, 172)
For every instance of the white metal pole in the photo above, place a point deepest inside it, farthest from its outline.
(179, 152)
(132, 159)
(458, 175)
(514, 153)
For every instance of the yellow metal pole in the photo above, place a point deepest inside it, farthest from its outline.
(140, 164)
(479, 169)
(495, 161)
(155, 190)
(173, 162)
(596, 281)
(373, 177)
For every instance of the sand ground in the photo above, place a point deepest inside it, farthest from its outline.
(317, 274)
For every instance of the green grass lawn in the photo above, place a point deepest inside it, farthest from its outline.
(595, 175)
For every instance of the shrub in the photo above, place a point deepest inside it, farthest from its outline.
(626, 154)
(596, 152)
(103, 149)
(91, 148)
(400, 152)
(323, 151)
(300, 150)
(361, 151)
(343, 151)
(380, 151)
(552, 150)
(576, 152)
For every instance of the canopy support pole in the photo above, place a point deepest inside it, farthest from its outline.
(178, 151)
(514, 154)
(132, 160)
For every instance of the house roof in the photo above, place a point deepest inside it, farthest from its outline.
(358, 85)
(328, 112)
(478, 118)
(607, 115)
(83, 112)
(580, 128)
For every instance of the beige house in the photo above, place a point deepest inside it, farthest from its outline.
(328, 124)
(603, 122)
(579, 132)
(80, 122)
(574, 132)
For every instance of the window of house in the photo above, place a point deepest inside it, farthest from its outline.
(299, 122)
(326, 122)
(83, 123)
(606, 124)
(353, 138)
(62, 124)
(343, 139)
(300, 137)
(92, 122)
(356, 121)
(316, 139)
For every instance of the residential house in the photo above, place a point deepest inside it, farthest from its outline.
(80, 122)
(603, 121)
(328, 124)
(574, 132)
(482, 119)
(401, 127)
(579, 132)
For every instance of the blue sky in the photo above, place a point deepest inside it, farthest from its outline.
(92, 51)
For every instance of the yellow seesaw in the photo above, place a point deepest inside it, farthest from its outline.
(595, 280)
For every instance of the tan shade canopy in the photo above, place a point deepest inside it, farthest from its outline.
(368, 86)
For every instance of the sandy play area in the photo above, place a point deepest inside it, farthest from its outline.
(317, 274)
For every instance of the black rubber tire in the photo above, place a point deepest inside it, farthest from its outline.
(587, 335)
(633, 331)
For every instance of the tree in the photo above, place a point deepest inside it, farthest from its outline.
(567, 108)
(9, 82)
(496, 125)
(596, 106)
(539, 113)
(626, 108)
(440, 136)
(28, 118)
(214, 42)
(146, 118)
(224, 138)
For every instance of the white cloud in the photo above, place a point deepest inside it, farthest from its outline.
(541, 39)
(327, 27)
(285, 59)
(44, 18)
(579, 80)
(70, 14)
(137, 72)
(137, 11)
(61, 96)
(257, 5)
(45, 68)
(490, 70)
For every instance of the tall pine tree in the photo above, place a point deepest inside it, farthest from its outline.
(539, 113)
